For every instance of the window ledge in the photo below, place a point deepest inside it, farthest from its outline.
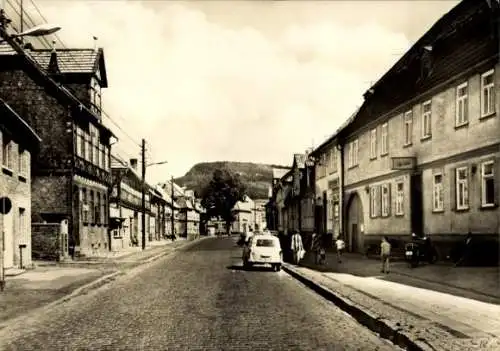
(425, 138)
(372, 158)
(488, 115)
(462, 125)
(407, 145)
(22, 178)
(465, 209)
(437, 211)
(488, 207)
(385, 154)
(349, 168)
(399, 215)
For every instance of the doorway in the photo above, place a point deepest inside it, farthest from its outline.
(354, 222)
(8, 230)
(416, 201)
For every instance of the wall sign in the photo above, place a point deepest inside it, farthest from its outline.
(403, 163)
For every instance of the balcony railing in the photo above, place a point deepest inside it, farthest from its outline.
(92, 171)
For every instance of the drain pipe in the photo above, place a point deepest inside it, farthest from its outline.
(340, 148)
(21, 247)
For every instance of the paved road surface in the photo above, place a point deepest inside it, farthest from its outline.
(196, 300)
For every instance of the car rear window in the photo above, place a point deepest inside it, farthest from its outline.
(266, 242)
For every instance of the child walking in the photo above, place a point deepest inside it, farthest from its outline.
(385, 253)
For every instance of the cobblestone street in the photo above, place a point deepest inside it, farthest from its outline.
(196, 299)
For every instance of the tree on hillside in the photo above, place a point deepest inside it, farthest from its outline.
(220, 195)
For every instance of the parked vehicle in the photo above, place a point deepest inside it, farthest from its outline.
(420, 250)
(263, 249)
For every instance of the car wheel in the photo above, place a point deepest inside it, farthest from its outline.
(277, 267)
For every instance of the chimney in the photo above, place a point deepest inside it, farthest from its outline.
(133, 163)
(53, 65)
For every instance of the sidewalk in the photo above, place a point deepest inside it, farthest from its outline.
(479, 283)
(413, 318)
(50, 282)
(129, 255)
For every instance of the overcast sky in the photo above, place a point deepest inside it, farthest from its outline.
(235, 80)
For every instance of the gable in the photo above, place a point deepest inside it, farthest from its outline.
(75, 62)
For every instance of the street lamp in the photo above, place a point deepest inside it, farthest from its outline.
(144, 165)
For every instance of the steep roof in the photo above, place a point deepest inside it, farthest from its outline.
(42, 77)
(86, 61)
(280, 172)
(21, 131)
(299, 160)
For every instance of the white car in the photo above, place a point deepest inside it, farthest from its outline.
(263, 249)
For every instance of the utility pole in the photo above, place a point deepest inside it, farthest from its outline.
(172, 203)
(143, 154)
(22, 16)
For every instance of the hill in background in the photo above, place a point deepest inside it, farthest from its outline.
(257, 177)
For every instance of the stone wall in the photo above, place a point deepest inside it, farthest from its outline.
(46, 241)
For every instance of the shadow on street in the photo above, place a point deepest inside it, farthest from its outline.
(252, 268)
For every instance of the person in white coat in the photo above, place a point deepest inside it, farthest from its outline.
(297, 247)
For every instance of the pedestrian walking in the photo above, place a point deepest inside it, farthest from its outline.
(322, 250)
(297, 247)
(340, 246)
(385, 253)
(465, 251)
(315, 247)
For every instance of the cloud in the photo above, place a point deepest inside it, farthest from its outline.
(199, 89)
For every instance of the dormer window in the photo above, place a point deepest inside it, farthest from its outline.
(95, 95)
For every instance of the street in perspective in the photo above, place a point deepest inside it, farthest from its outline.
(242, 175)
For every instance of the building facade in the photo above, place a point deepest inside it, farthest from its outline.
(273, 208)
(243, 212)
(126, 206)
(19, 143)
(423, 152)
(58, 94)
(328, 197)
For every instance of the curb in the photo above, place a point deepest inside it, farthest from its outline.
(84, 289)
(365, 318)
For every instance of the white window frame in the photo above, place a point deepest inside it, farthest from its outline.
(22, 163)
(333, 160)
(353, 154)
(484, 178)
(22, 223)
(427, 120)
(384, 139)
(373, 143)
(408, 127)
(462, 105)
(373, 202)
(7, 154)
(462, 188)
(356, 152)
(384, 199)
(400, 196)
(488, 89)
(437, 193)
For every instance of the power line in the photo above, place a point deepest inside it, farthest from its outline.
(72, 57)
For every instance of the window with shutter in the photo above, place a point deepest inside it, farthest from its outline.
(373, 202)
(462, 188)
(497, 181)
(384, 189)
(453, 189)
(488, 184)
